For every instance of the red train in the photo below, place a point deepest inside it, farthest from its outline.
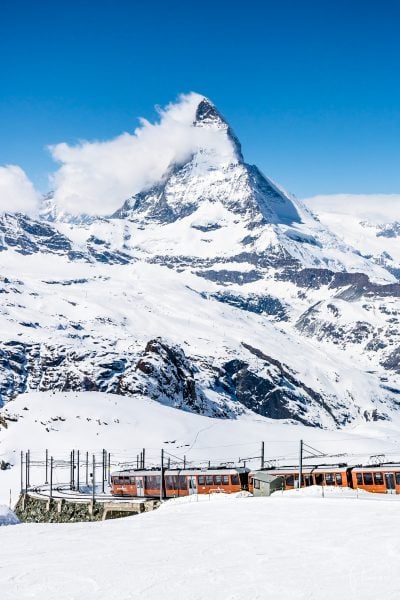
(382, 478)
(178, 482)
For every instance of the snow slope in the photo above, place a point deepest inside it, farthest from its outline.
(7, 517)
(91, 421)
(280, 547)
(367, 222)
(214, 291)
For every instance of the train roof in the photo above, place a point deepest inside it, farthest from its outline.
(287, 470)
(188, 471)
(382, 467)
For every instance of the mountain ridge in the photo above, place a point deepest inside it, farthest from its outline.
(214, 291)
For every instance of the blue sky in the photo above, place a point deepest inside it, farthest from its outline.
(311, 88)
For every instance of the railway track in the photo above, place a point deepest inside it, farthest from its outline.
(63, 492)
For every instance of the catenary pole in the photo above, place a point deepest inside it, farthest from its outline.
(26, 472)
(103, 467)
(94, 479)
(262, 455)
(300, 462)
(22, 471)
(47, 466)
(162, 476)
(77, 470)
(51, 478)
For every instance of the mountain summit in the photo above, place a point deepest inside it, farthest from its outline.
(214, 291)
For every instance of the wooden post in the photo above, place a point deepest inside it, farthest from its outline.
(51, 478)
(262, 455)
(47, 466)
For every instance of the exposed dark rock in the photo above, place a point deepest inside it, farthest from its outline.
(165, 374)
(256, 303)
(277, 393)
(392, 361)
(225, 276)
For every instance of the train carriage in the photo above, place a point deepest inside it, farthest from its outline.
(383, 479)
(326, 475)
(178, 482)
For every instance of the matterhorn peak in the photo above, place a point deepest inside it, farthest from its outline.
(208, 116)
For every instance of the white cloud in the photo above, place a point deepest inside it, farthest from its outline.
(97, 177)
(375, 208)
(17, 193)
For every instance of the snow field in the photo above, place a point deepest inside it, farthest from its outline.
(228, 548)
(91, 421)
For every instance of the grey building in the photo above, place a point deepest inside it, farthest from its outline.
(264, 484)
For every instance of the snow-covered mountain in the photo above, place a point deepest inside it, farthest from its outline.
(214, 291)
(369, 222)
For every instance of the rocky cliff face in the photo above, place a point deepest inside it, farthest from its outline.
(214, 291)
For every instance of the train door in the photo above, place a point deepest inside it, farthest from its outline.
(192, 483)
(139, 486)
(390, 484)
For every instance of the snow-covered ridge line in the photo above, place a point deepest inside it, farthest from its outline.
(165, 299)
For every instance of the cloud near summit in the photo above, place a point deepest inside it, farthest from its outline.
(17, 193)
(97, 177)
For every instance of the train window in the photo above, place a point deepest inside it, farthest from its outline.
(378, 478)
(152, 482)
(368, 479)
(338, 477)
(217, 479)
(289, 479)
(359, 478)
(182, 482)
(256, 484)
(125, 480)
(225, 479)
(329, 479)
(397, 475)
(132, 480)
(169, 482)
(209, 479)
(202, 480)
(235, 479)
(319, 479)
